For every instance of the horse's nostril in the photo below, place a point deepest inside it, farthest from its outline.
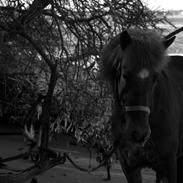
(138, 137)
(135, 136)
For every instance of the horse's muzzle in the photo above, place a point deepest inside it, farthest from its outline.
(137, 133)
(137, 127)
(140, 136)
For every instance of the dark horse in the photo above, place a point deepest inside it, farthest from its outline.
(147, 118)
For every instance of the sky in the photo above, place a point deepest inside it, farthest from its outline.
(165, 4)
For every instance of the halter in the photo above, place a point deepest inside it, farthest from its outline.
(133, 107)
(137, 108)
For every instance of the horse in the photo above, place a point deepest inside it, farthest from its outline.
(147, 115)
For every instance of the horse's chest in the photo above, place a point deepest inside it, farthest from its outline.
(146, 157)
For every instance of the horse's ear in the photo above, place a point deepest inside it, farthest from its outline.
(168, 42)
(125, 40)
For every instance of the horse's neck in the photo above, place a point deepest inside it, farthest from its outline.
(164, 95)
(166, 105)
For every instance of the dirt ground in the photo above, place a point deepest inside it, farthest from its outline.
(65, 173)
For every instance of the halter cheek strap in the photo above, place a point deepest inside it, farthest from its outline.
(137, 108)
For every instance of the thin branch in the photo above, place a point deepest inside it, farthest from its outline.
(35, 9)
(38, 49)
(30, 172)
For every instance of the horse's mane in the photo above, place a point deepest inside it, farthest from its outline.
(110, 58)
(145, 50)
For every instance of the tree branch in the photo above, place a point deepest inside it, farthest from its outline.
(30, 172)
(35, 9)
(38, 49)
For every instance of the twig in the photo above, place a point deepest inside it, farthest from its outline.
(13, 157)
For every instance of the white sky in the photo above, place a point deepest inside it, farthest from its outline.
(165, 4)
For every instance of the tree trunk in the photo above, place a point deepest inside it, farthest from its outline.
(45, 164)
(45, 117)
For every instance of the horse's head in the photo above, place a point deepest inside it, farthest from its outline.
(143, 56)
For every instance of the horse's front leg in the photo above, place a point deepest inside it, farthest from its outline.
(170, 170)
(133, 175)
(179, 169)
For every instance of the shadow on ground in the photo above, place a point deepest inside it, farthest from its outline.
(14, 144)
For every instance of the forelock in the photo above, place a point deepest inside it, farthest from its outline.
(147, 49)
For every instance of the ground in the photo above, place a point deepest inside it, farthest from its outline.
(65, 173)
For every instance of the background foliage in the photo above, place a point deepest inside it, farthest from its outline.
(36, 35)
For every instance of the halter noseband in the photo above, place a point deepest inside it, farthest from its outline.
(137, 108)
(133, 107)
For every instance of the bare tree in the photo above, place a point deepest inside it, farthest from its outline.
(66, 38)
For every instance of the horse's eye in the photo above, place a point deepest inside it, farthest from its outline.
(126, 76)
(118, 73)
(155, 77)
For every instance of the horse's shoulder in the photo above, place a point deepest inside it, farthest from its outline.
(174, 56)
(175, 69)
(176, 60)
